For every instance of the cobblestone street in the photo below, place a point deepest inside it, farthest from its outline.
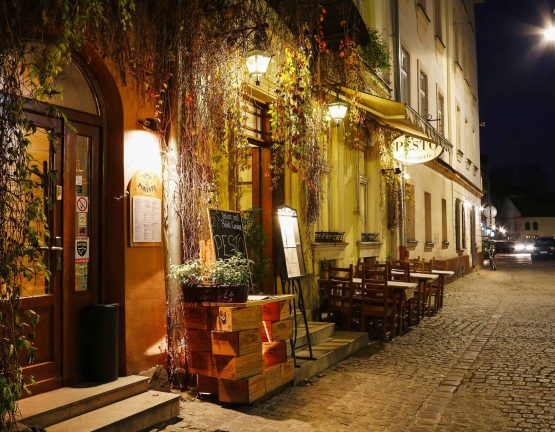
(485, 363)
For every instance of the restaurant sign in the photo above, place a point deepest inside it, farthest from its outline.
(410, 150)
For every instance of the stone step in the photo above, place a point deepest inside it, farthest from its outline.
(61, 404)
(319, 332)
(328, 353)
(132, 414)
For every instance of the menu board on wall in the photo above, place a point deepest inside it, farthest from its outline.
(228, 237)
(291, 241)
(147, 219)
(145, 211)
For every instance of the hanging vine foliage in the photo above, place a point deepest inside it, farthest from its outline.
(184, 57)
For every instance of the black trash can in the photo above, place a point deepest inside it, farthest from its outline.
(102, 354)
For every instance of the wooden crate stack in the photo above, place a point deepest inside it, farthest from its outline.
(240, 353)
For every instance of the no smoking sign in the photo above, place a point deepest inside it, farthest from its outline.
(82, 204)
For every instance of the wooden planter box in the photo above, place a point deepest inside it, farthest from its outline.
(236, 343)
(277, 330)
(234, 319)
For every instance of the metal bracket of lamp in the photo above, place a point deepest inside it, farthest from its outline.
(151, 124)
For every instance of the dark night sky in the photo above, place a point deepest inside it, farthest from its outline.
(516, 75)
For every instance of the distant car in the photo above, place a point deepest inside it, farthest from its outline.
(524, 247)
(544, 247)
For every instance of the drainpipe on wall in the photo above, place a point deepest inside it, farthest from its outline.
(396, 49)
(403, 253)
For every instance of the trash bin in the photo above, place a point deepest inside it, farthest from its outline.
(102, 355)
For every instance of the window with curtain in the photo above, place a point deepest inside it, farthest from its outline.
(428, 216)
(440, 114)
(410, 212)
(458, 223)
(438, 24)
(423, 94)
(444, 220)
(405, 77)
(463, 226)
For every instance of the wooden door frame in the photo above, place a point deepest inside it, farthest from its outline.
(111, 274)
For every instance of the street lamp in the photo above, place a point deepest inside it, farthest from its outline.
(257, 64)
(337, 110)
(549, 32)
(258, 58)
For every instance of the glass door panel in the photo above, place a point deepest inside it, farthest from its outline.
(43, 150)
(82, 217)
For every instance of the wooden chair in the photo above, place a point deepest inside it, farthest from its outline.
(339, 294)
(376, 304)
(374, 266)
(342, 273)
(407, 309)
(340, 301)
(400, 266)
(417, 265)
(436, 288)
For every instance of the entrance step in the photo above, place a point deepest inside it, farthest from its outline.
(338, 347)
(61, 404)
(318, 331)
(132, 414)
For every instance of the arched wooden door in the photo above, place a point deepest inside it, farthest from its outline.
(71, 180)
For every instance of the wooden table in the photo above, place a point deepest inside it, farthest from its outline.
(404, 292)
(442, 275)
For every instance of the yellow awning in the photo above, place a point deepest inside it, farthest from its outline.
(398, 116)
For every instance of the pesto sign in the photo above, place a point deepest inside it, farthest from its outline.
(410, 150)
(228, 237)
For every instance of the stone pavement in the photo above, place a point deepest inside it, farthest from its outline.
(485, 363)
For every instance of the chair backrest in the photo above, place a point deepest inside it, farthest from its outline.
(417, 265)
(340, 294)
(342, 273)
(375, 270)
(374, 289)
(400, 267)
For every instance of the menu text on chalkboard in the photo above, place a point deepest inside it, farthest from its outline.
(226, 228)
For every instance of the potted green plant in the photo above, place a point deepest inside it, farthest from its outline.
(324, 269)
(225, 281)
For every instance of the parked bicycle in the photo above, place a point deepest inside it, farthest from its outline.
(491, 253)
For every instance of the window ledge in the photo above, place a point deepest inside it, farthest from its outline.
(429, 244)
(421, 10)
(439, 41)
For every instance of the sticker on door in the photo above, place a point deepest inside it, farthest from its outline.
(82, 249)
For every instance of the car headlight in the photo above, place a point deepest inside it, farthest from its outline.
(519, 246)
(529, 247)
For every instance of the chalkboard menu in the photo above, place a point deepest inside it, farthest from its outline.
(291, 241)
(227, 233)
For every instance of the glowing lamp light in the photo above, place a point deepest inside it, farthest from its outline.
(257, 64)
(549, 34)
(337, 110)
